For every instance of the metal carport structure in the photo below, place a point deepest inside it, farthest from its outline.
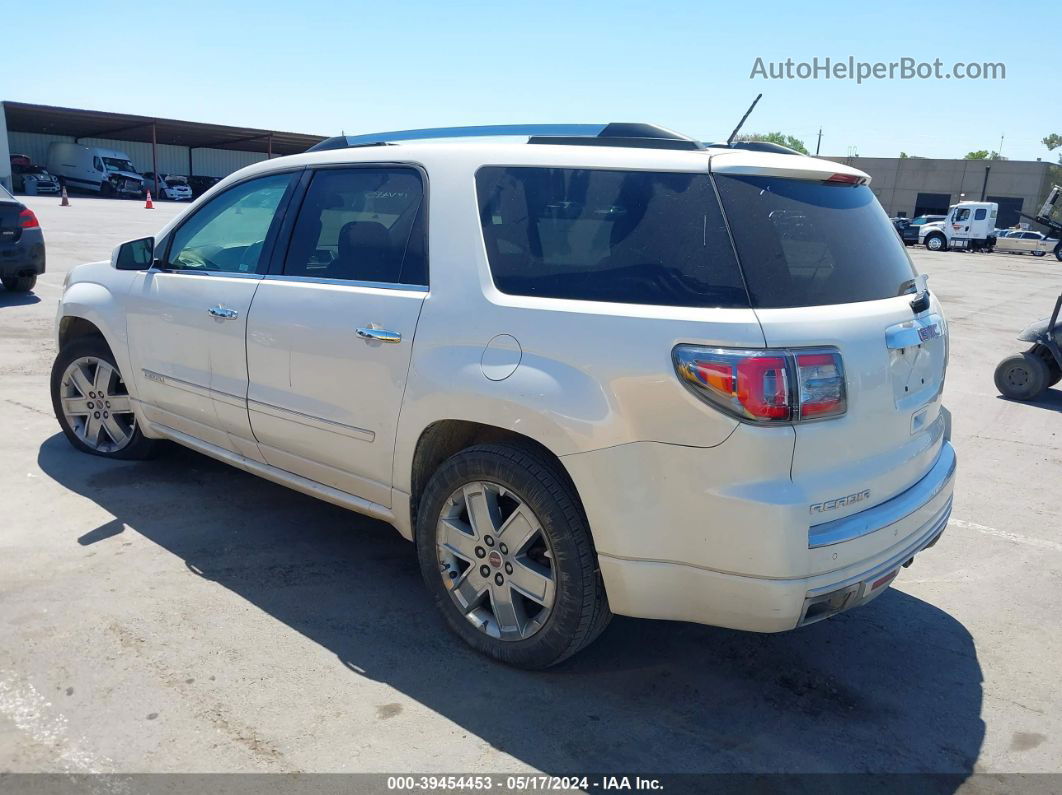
(79, 123)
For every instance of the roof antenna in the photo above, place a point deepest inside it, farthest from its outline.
(733, 135)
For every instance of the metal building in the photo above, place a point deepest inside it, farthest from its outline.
(166, 146)
(913, 186)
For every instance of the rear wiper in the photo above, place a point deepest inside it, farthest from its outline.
(921, 302)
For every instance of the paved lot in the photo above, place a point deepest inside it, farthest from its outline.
(179, 615)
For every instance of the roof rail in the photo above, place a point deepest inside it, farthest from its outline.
(614, 134)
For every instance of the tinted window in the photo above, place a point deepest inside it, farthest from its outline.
(805, 243)
(979, 215)
(362, 224)
(229, 232)
(623, 236)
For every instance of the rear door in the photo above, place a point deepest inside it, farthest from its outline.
(824, 269)
(331, 328)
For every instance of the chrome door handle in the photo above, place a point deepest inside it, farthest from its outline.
(379, 335)
(223, 312)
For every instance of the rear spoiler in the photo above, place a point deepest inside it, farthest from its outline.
(772, 164)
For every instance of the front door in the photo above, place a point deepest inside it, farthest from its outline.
(330, 331)
(187, 316)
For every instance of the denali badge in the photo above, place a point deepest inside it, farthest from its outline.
(840, 502)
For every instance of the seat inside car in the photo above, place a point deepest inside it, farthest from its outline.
(366, 253)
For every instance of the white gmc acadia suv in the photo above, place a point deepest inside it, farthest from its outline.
(587, 374)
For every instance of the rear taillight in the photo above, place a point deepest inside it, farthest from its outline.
(766, 386)
(27, 220)
(820, 379)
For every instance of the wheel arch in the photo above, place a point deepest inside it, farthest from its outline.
(73, 327)
(444, 438)
(88, 308)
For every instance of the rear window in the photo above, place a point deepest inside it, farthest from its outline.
(804, 243)
(633, 237)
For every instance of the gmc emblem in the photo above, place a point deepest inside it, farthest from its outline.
(929, 332)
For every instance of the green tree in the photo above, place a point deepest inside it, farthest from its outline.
(1052, 142)
(777, 138)
(980, 154)
(904, 155)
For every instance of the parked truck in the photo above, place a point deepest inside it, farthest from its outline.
(108, 172)
(968, 226)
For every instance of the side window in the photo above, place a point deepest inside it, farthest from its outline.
(980, 215)
(361, 224)
(97, 164)
(633, 237)
(227, 234)
(963, 214)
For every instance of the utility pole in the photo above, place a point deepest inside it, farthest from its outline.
(817, 145)
(999, 152)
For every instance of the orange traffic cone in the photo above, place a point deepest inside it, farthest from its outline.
(66, 199)
(148, 205)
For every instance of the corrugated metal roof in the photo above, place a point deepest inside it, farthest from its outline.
(25, 117)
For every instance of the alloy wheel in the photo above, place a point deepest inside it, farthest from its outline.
(496, 561)
(96, 404)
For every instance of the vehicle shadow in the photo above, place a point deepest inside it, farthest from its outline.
(8, 298)
(1050, 399)
(893, 687)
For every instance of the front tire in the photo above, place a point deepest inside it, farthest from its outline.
(19, 284)
(506, 553)
(936, 242)
(1022, 376)
(92, 404)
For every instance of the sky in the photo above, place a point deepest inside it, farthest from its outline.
(359, 67)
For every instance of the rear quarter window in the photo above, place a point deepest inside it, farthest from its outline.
(634, 237)
(804, 243)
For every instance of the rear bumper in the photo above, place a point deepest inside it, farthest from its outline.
(24, 256)
(647, 589)
(870, 546)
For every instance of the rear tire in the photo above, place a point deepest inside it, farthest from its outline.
(513, 483)
(19, 284)
(1058, 252)
(98, 422)
(1022, 376)
(1038, 253)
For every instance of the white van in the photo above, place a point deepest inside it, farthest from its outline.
(104, 171)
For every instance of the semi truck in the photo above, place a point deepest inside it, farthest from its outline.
(969, 226)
